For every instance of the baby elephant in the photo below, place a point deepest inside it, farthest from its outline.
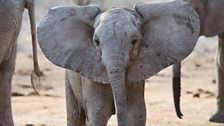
(112, 53)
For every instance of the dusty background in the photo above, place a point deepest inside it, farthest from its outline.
(198, 86)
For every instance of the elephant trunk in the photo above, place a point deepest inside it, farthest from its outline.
(117, 81)
(115, 66)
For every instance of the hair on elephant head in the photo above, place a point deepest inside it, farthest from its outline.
(119, 44)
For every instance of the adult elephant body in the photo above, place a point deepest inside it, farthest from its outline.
(115, 51)
(11, 12)
(212, 23)
(11, 18)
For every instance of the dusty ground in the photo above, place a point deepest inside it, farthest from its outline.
(198, 90)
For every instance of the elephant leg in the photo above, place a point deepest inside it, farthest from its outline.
(75, 112)
(219, 115)
(6, 72)
(136, 103)
(98, 101)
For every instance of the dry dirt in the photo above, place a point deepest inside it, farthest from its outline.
(198, 100)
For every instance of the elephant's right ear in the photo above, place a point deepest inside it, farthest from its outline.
(65, 37)
(170, 31)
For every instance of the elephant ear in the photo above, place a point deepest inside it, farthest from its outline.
(65, 37)
(170, 31)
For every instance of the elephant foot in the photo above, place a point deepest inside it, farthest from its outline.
(218, 117)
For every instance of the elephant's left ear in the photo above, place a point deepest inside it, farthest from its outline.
(170, 31)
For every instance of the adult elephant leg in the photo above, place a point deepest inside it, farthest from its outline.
(6, 72)
(136, 104)
(219, 115)
(75, 112)
(98, 102)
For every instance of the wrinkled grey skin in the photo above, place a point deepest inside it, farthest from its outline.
(115, 51)
(212, 23)
(10, 22)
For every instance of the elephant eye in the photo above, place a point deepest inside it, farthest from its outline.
(96, 42)
(134, 42)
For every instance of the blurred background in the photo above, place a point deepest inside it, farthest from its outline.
(48, 109)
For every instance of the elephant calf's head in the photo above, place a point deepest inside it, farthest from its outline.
(117, 36)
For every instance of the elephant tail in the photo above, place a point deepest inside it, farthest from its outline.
(177, 88)
(36, 73)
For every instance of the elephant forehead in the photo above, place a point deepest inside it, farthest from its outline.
(115, 30)
(116, 21)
